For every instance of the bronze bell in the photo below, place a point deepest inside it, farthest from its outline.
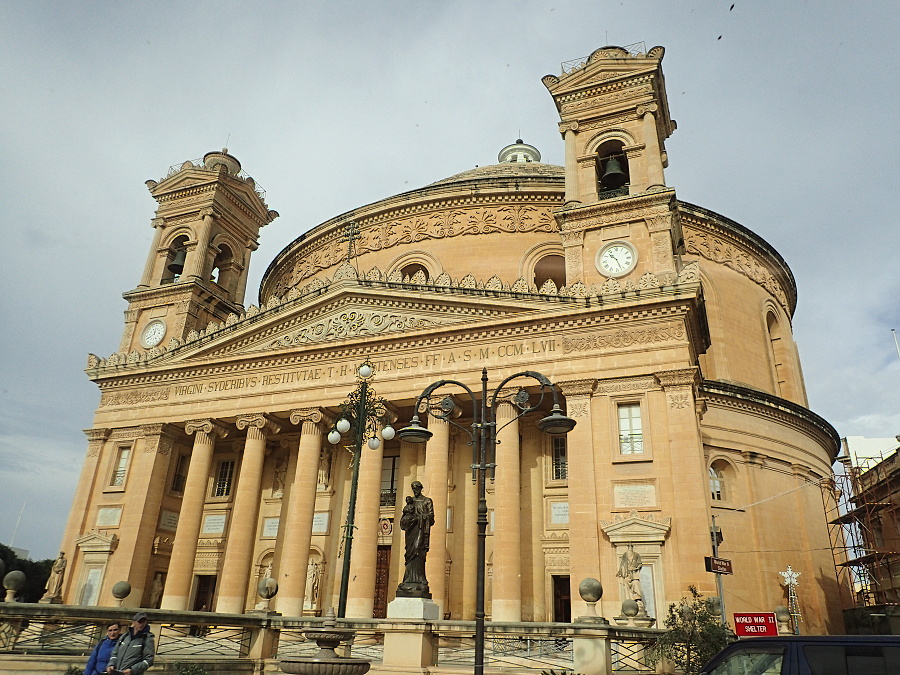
(177, 264)
(613, 177)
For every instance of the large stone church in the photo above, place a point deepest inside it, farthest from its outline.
(665, 328)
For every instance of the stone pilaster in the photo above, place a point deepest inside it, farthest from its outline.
(654, 160)
(195, 263)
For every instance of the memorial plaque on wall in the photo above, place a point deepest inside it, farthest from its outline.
(634, 495)
(214, 523)
(270, 528)
(320, 522)
(168, 521)
(108, 516)
(559, 513)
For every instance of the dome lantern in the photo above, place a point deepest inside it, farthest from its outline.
(519, 152)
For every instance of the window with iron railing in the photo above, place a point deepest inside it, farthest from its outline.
(224, 478)
(389, 480)
(631, 434)
(180, 477)
(560, 459)
(121, 466)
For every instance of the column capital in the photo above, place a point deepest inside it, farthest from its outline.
(647, 108)
(207, 213)
(572, 237)
(568, 126)
(158, 222)
(207, 426)
(312, 415)
(683, 377)
(573, 388)
(259, 421)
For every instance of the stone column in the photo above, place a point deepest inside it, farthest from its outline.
(292, 568)
(181, 565)
(147, 277)
(195, 263)
(435, 484)
(506, 603)
(584, 538)
(363, 554)
(651, 142)
(407, 472)
(466, 528)
(244, 515)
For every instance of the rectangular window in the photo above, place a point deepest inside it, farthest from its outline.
(180, 476)
(121, 466)
(224, 478)
(560, 459)
(631, 435)
(389, 481)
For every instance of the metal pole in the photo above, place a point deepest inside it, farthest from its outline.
(715, 547)
(481, 461)
(351, 508)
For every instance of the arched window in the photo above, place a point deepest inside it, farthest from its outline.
(175, 258)
(613, 176)
(552, 267)
(222, 271)
(778, 353)
(717, 482)
(409, 271)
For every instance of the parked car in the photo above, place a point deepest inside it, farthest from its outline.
(809, 655)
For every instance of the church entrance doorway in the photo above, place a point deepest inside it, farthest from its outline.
(382, 572)
(206, 590)
(562, 598)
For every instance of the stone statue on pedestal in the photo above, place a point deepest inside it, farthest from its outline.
(55, 581)
(416, 520)
(630, 565)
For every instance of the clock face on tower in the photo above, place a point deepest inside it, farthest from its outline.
(153, 333)
(616, 259)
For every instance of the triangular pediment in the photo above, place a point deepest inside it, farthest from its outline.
(345, 312)
(637, 528)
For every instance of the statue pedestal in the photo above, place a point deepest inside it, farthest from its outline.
(409, 642)
(413, 608)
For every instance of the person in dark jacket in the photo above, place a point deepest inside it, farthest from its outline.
(99, 660)
(135, 650)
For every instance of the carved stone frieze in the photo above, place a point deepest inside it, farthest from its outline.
(679, 400)
(353, 324)
(411, 229)
(126, 432)
(720, 251)
(130, 398)
(621, 338)
(686, 377)
(626, 384)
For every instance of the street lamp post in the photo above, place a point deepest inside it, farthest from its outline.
(362, 412)
(483, 439)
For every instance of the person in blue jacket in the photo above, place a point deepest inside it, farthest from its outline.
(99, 660)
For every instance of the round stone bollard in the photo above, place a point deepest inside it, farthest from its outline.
(13, 582)
(121, 590)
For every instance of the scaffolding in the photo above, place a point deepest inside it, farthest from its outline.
(862, 505)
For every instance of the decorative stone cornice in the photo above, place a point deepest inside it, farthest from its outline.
(613, 211)
(623, 338)
(684, 377)
(573, 388)
(637, 528)
(260, 421)
(208, 426)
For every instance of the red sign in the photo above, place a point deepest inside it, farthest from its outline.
(756, 624)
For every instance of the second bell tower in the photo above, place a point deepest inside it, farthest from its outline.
(206, 227)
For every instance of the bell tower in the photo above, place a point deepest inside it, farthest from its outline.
(206, 227)
(619, 220)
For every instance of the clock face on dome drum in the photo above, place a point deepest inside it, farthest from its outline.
(616, 259)
(153, 333)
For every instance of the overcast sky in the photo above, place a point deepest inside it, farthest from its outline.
(787, 122)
